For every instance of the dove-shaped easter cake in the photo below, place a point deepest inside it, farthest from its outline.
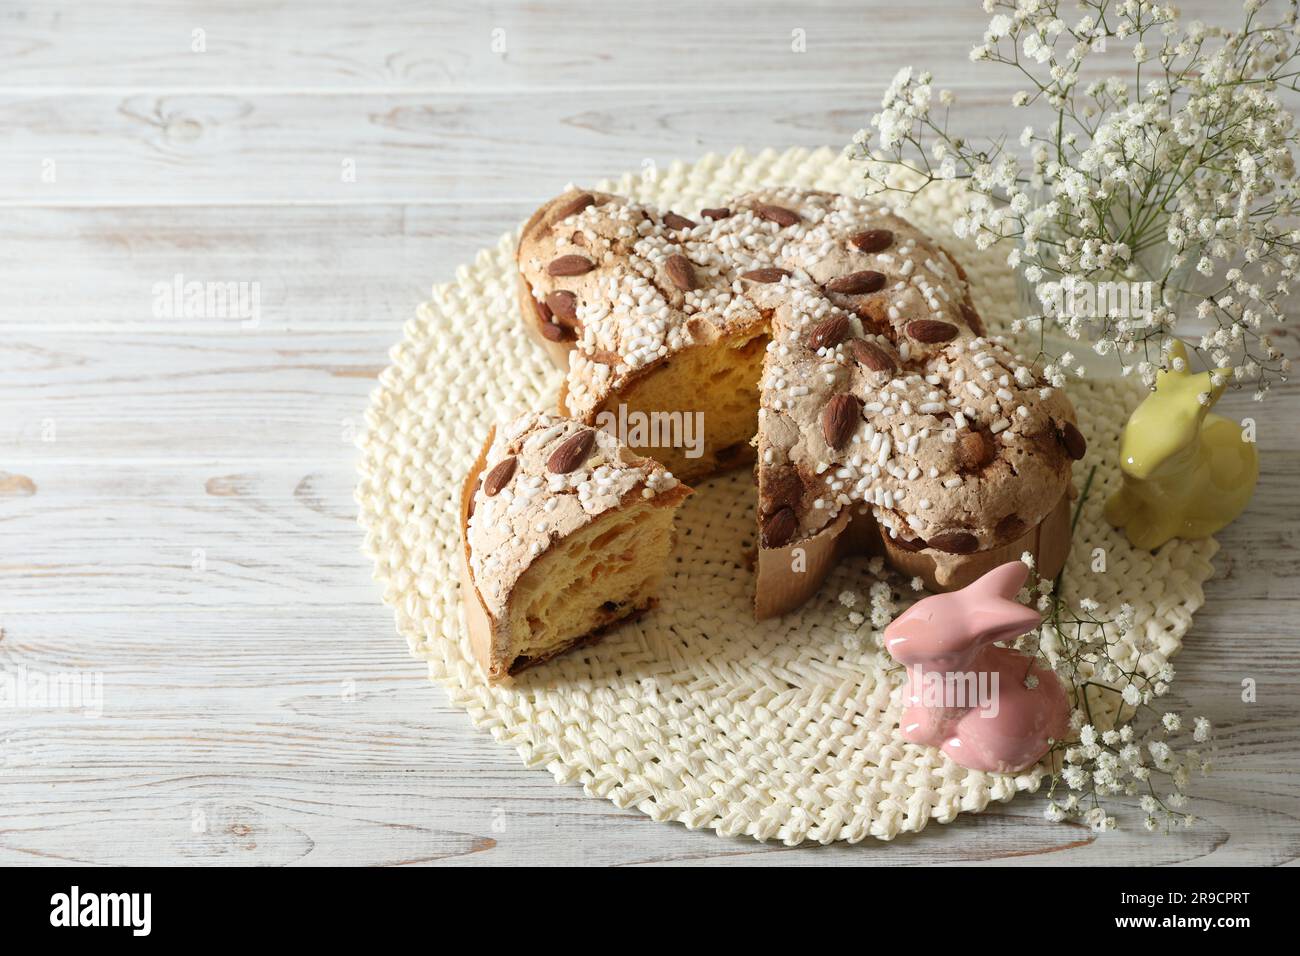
(830, 342)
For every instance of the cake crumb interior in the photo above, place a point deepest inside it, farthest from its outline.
(603, 573)
(720, 383)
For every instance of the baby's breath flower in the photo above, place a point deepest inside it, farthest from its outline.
(1109, 754)
(1187, 163)
(1201, 733)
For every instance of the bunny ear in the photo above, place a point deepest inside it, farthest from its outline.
(1004, 581)
(1003, 620)
(996, 615)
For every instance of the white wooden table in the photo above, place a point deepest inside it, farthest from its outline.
(176, 517)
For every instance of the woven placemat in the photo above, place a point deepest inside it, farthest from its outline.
(782, 730)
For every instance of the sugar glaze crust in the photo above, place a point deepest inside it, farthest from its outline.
(658, 283)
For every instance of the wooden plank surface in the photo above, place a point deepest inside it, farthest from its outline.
(346, 268)
(175, 494)
(469, 46)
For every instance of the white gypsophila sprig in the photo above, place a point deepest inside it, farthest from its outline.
(1126, 743)
(1178, 174)
(866, 623)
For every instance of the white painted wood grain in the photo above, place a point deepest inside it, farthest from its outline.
(464, 45)
(318, 267)
(257, 705)
(481, 812)
(431, 147)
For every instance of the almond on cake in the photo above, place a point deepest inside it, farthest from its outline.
(566, 533)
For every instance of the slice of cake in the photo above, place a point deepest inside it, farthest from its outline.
(566, 533)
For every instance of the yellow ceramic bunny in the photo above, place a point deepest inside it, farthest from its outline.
(1187, 473)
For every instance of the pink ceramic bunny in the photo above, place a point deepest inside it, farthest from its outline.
(968, 696)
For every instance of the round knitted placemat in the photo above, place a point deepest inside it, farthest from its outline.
(784, 729)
